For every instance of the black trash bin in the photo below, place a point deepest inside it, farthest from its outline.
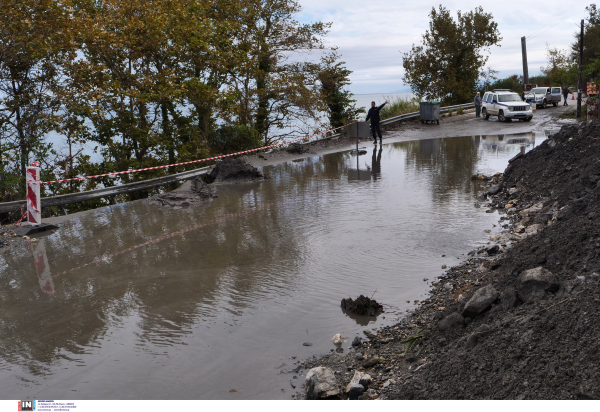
(430, 112)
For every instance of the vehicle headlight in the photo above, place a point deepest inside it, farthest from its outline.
(511, 109)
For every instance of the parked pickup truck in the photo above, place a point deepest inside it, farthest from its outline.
(543, 96)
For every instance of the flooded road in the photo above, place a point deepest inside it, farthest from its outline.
(135, 301)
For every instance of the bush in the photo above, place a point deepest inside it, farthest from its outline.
(231, 139)
(460, 111)
(399, 106)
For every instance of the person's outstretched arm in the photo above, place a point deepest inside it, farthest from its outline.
(380, 107)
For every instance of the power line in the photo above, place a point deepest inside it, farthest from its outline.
(545, 27)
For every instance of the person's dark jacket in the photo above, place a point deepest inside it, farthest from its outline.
(565, 91)
(373, 114)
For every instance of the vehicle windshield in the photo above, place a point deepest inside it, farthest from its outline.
(539, 90)
(509, 98)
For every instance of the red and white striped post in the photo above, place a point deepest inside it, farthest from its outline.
(34, 206)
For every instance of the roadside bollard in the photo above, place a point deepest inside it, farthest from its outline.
(34, 214)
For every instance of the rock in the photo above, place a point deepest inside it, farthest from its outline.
(533, 284)
(387, 383)
(361, 379)
(307, 344)
(508, 298)
(338, 339)
(451, 322)
(493, 250)
(369, 363)
(494, 190)
(354, 390)
(356, 342)
(321, 384)
(480, 301)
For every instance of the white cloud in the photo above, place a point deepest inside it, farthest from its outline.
(372, 35)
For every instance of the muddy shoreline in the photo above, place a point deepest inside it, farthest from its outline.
(518, 319)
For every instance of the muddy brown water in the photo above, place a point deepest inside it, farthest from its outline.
(135, 301)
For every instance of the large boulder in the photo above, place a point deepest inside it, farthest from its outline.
(321, 384)
(480, 301)
(534, 284)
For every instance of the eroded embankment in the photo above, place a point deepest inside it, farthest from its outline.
(519, 319)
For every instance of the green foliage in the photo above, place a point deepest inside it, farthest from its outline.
(451, 60)
(591, 41)
(460, 111)
(154, 82)
(341, 108)
(561, 69)
(398, 106)
(514, 83)
(230, 139)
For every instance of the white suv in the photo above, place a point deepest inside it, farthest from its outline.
(507, 105)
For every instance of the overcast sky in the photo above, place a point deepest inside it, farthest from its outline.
(372, 35)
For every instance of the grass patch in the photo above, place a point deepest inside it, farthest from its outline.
(398, 106)
(460, 111)
(573, 114)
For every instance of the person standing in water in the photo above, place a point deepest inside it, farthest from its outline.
(374, 116)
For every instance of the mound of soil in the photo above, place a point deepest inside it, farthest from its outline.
(297, 148)
(362, 306)
(190, 194)
(517, 321)
(235, 171)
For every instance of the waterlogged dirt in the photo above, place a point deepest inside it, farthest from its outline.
(237, 170)
(191, 193)
(362, 305)
(517, 320)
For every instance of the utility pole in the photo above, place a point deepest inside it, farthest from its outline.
(525, 69)
(579, 81)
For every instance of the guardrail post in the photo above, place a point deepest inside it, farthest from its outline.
(34, 206)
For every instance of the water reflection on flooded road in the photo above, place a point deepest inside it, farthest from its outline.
(135, 301)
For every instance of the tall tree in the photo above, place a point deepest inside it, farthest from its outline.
(450, 62)
(35, 40)
(272, 89)
(334, 77)
(561, 68)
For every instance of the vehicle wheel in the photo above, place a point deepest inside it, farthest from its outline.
(485, 114)
(554, 104)
(438, 122)
(422, 121)
(501, 117)
(544, 104)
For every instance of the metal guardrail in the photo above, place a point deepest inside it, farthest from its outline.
(109, 192)
(402, 117)
(414, 115)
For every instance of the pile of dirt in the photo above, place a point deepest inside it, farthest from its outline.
(189, 194)
(235, 171)
(362, 306)
(518, 320)
(297, 148)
